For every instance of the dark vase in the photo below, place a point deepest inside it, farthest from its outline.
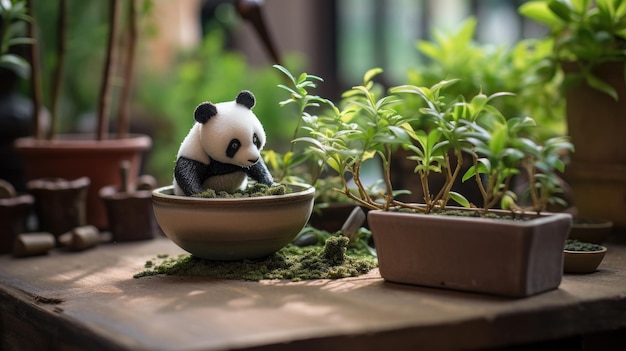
(130, 214)
(60, 205)
(13, 212)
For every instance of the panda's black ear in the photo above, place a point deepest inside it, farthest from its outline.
(204, 112)
(246, 99)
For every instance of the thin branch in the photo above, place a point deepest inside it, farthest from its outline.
(105, 90)
(35, 71)
(124, 107)
(58, 72)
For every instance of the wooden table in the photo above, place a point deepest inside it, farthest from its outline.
(91, 300)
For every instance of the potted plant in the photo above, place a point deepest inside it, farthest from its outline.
(588, 58)
(582, 257)
(95, 156)
(426, 244)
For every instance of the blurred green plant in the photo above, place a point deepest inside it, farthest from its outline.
(13, 17)
(523, 70)
(585, 32)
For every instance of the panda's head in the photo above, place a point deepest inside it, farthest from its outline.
(230, 132)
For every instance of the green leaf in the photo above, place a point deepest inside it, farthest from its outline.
(538, 11)
(602, 86)
(460, 199)
(370, 74)
(285, 72)
(561, 9)
(16, 64)
(334, 164)
(470, 173)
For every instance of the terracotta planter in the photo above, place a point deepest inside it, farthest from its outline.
(331, 216)
(582, 261)
(74, 156)
(502, 257)
(60, 204)
(13, 212)
(130, 214)
(593, 231)
(596, 124)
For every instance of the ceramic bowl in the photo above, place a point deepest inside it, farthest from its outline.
(594, 231)
(582, 261)
(233, 229)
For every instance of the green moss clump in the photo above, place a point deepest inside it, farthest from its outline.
(254, 190)
(292, 262)
(575, 245)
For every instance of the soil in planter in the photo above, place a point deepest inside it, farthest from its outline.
(576, 245)
(511, 216)
(333, 260)
(254, 190)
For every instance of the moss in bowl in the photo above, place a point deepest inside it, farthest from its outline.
(233, 228)
(581, 257)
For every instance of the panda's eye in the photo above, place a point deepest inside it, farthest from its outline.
(256, 141)
(233, 147)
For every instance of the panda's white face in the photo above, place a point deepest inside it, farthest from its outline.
(234, 135)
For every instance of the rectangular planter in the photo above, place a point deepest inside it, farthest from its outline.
(495, 256)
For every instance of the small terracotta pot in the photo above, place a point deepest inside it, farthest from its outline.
(582, 261)
(13, 212)
(331, 216)
(594, 231)
(60, 204)
(130, 214)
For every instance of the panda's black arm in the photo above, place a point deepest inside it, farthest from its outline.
(260, 173)
(189, 175)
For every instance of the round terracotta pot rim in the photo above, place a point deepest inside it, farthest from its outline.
(19, 199)
(592, 223)
(603, 250)
(84, 141)
(112, 192)
(301, 192)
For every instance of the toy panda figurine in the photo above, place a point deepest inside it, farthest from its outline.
(222, 148)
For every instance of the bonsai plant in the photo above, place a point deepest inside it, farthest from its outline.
(588, 58)
(96, 156)
(518, 256)
(303, 164)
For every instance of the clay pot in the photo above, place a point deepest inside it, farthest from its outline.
(13, 211)
(593, 231)
(130, 214)
(81, 155)
(232, 229)
(59, 204)
(582, 261)
(515, 258)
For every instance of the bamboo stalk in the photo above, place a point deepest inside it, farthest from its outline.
(124, 107)
(35, 82)
(58, 73)
(104, 106)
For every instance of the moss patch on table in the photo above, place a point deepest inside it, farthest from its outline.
(331, 261)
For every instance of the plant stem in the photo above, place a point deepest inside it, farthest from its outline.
(124, 107)
(58, 72)
(387, 177)
(104, 105)
(35, 71)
